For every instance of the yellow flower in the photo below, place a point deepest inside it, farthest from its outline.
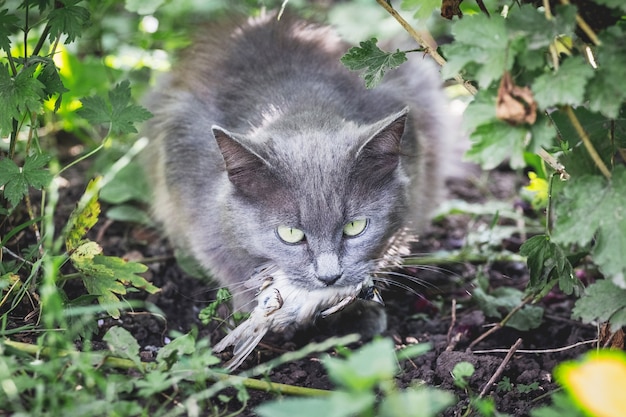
(538, 189)
(597, 383)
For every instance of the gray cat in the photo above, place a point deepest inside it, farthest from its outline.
(266, 150)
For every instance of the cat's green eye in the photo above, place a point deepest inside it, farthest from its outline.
(355, 227)
(290, 235)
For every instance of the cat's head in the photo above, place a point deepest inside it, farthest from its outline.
(320, 203)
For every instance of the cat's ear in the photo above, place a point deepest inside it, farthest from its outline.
(246, 170)
(380, 153)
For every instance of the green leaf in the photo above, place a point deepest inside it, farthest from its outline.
(548, 265)
(422, 402)
(129, 184)
(603, 301)
(68, 19)
(615, 4)
(51, 80)
(592, 208)
(18, 95)
(119, 112)
(122, 343)
(482, 40)
(576, 158)
(605, 95)
(130, 214)
(337, 404)
(423, 8)
(565, 86)
(359, 372)
(503, 298)
(493, 143)
(529, 22)
(83, 217)
(155, 382)
(108, 276)
(126, 272)
(7, 28)
(182, 345)
(17, 180)
(461, 373)
(375, 61)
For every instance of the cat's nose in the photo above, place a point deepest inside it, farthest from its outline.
(327, 268)
(329, 279)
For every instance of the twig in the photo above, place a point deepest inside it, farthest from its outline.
(16, 256)
(502, 323)
(587, 142)
(554, 163)
(500, 369)
(418, 38)
(451, 345)
(539, 351)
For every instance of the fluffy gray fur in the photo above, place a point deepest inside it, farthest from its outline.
(260, 125)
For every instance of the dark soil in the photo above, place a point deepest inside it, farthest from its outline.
(423, 315)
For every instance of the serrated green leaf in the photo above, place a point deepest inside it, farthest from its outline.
(122, 343)
(423, 8)
(118, 111)
(182, 345)
(529, 22)
(16, 181)
(565, 86)
(49, 77)
(547, 265)
(605, 95)
(481, 110)
(483, 40)
(592, 208)
(493, 143)
(108, 276)
(83, 218)
(603, 301)
(375, 61)
(126, 272)
(7, 28)
(18, 95)
(359, 372)
(68, 19)
(577, 159)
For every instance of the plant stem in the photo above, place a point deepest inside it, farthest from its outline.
(418, 38)
(462, 256)
(585, 27)
(587, 142)
(41, 40)
(221, 379)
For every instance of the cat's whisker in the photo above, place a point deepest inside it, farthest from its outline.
(394, 283)
(414, 279)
